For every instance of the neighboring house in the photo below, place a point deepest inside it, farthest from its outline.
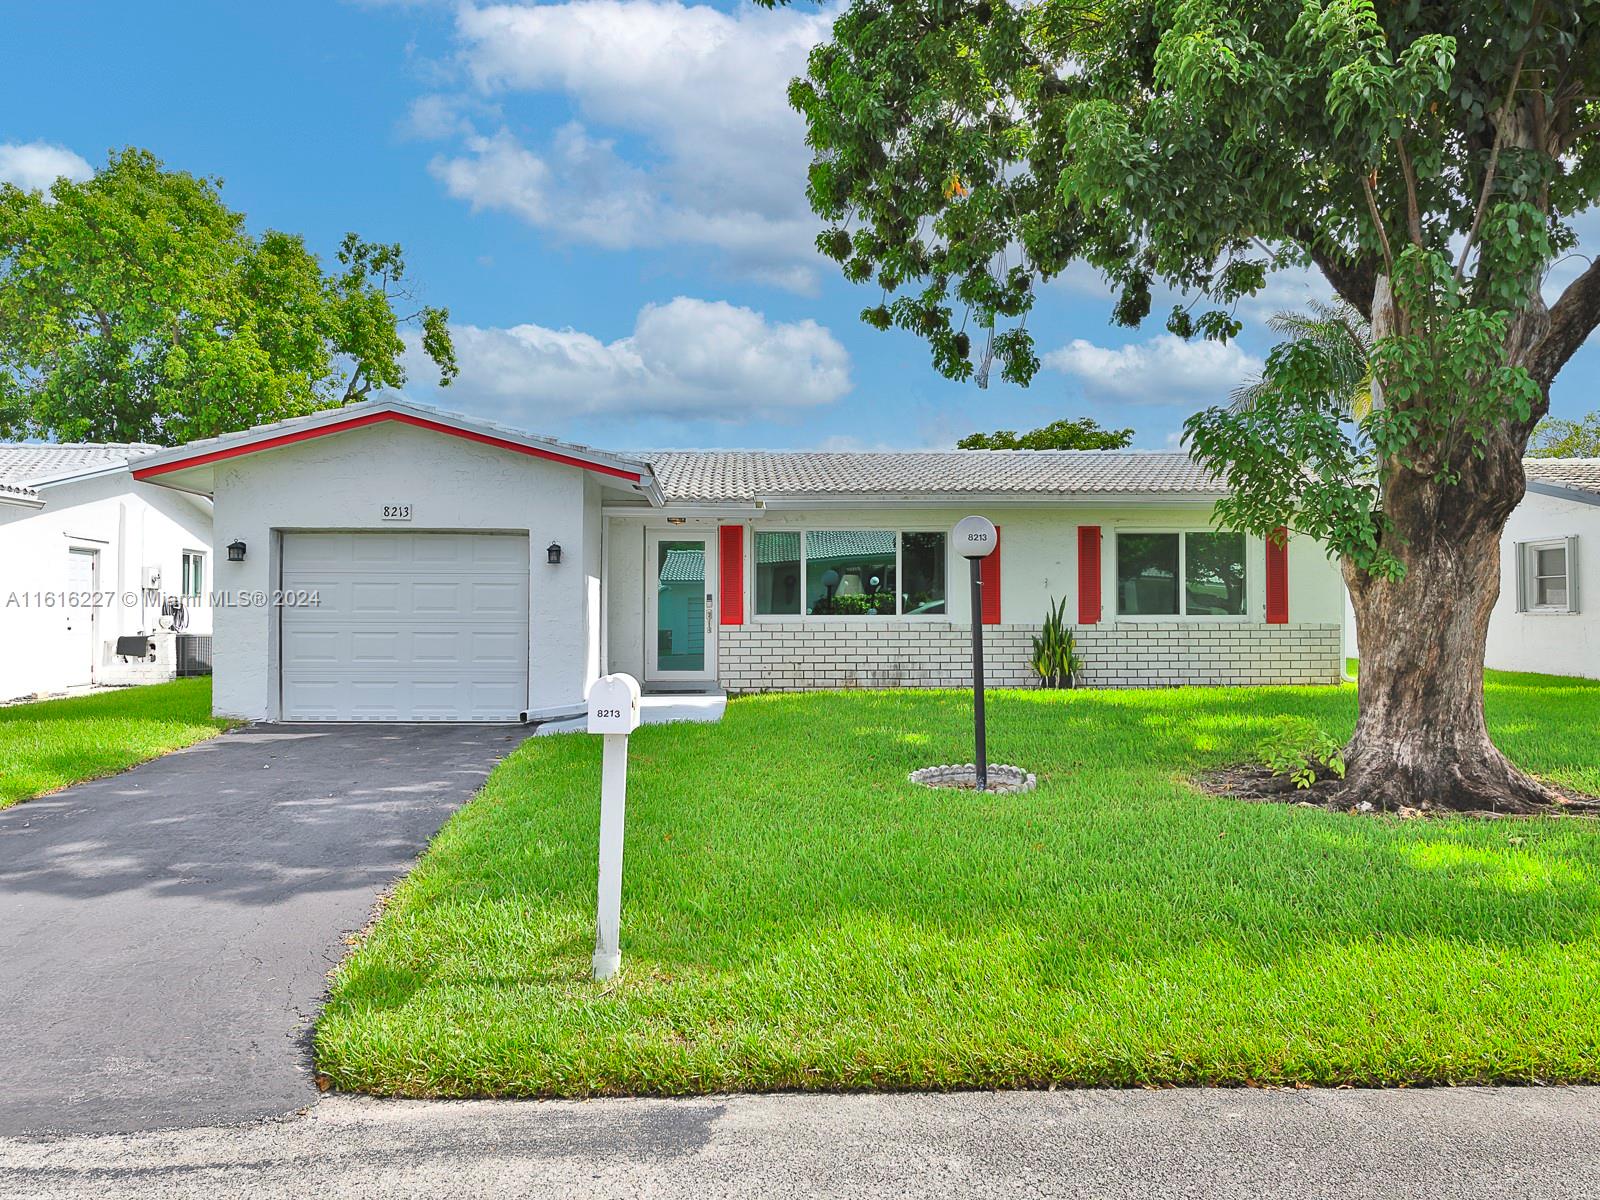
(438, 567)
(87, 555)
(1549, 572)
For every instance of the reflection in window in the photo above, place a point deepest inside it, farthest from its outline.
(1213, 574)
(850, 572)
(922, 564)
(1211, 565)
(778, 574)
(1147, 574)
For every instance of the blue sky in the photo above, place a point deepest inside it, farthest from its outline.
(606, 194)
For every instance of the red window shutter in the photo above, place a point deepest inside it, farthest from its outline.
(989, 572)
(1278, 577)
(1089, 574)
(730, 573)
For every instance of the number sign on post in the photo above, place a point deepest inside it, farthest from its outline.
(614, 714)
(974, 538)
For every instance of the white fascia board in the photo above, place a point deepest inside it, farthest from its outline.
(1012, 500)
(75, 476)
(1576, 495)
(738, 511)
(21, 501)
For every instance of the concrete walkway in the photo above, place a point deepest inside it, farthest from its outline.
(165, 934)
(1467, 1143)
(656, 709)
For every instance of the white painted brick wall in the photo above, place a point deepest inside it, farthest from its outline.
(801, 656)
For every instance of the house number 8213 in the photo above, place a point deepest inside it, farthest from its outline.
(397, 512)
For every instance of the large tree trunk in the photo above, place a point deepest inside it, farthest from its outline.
(1420, 739)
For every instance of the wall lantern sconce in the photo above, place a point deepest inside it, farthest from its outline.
(552, 554)
(235, 551)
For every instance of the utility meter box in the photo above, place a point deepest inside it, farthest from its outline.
(974, 537)
(614, 704)
(152, 579)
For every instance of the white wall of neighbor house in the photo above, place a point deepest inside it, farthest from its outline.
(1549, 642)
(342, 481)
(129, 528)
(1038, 564)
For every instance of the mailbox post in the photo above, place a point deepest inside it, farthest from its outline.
(974, 538)
(614, 714)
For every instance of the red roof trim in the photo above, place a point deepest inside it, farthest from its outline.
(305, 435)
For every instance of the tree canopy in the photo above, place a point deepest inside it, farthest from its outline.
(136, 306)
(1558, 438)
(1082, 433)
(965, 151)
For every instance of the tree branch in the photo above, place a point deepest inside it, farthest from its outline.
(1572, 319)
(1353, 278)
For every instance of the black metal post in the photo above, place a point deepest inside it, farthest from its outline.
(982, 761)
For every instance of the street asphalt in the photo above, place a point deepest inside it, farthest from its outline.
(166, 933)
(1466, 1143)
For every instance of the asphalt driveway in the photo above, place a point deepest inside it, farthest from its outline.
(165, 934)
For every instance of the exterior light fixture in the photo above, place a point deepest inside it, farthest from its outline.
(676, 520)
(236, 551)
(974, 539)
(552, 554)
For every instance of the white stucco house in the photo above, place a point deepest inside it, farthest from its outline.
(88, 555)
(1548, 577)
(386, 561)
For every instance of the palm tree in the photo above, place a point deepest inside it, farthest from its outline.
(1343, 335)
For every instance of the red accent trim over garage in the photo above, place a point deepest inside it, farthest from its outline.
(989, 573)
(306, 435)
(1089, 589)
(730, 573)
(1278, 577)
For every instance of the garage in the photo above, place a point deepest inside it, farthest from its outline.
(402, 626)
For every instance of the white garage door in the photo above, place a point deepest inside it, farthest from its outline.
(408, 627)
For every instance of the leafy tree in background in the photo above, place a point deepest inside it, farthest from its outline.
(1427, 159)
(134, 306)
(1066, 434)
(1556, 438)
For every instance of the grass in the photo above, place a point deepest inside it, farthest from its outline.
(795, 915)
(53, 743)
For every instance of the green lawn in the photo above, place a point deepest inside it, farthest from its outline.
(50, 744)
(795, 915)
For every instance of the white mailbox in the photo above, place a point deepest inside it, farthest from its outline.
(974, 537)
(614, 704)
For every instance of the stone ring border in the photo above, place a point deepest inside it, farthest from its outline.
(1004, 780)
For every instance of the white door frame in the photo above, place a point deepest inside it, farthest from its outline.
(89, 612)
(653, 671)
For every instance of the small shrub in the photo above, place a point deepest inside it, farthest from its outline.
(1055, 658)
(1300, 750)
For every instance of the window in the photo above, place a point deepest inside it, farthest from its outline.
(194, 574)
(778, 573)
(1546, 575)
(849, 573)
(1210, 566)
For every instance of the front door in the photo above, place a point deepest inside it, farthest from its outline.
(83, 580)
(680, 606)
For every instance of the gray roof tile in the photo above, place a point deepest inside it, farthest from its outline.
(709, 476)
(1580, 473)
(22, 462)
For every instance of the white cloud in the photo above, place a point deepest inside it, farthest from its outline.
(687, 358)
(34, 166)
(717, 158)
(1164, 370)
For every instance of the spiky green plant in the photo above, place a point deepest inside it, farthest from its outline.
(1055, 658)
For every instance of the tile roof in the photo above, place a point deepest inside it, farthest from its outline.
(11, 491)
(684, 566)
(709, 476)
(1580, 473)
(22, 462)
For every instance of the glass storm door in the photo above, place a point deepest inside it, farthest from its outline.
(680, 606)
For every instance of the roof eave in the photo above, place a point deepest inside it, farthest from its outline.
(1564, 491)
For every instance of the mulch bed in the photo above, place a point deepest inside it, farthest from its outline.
(1258, 785)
